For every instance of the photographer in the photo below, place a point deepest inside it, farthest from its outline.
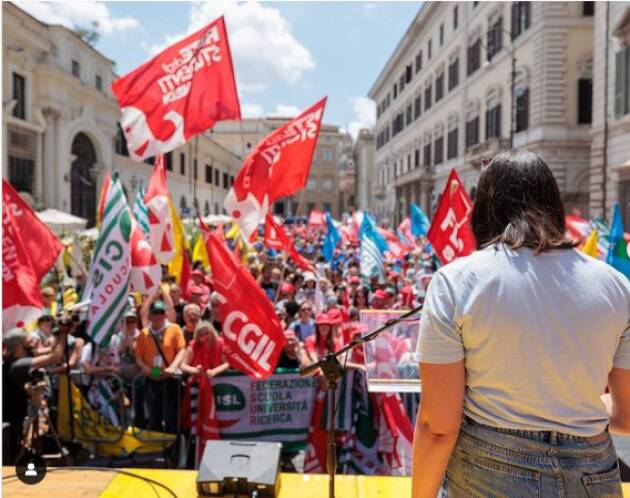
(18, 365)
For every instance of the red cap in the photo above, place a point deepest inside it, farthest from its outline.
(407, 290)
(198, 272)
(355, 280)
(323, 319)
(380, 294)
(286, 288)
(335, 316)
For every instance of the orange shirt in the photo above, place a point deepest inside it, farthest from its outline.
(172, 342)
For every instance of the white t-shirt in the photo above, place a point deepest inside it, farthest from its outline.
(539, 336)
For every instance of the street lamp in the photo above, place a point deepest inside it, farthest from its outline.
(488, 64)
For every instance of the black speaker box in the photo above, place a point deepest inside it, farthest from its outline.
(239, 468)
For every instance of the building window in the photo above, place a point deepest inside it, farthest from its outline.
(588, 9)
(585, 100)
(520, 18)
(451, 147)
(120, 145)
(416, 158)
(168, 161)
(622, 82)
(409, 73)
(327, 185)
(208, 174)
(522, 110)
(417, 106)
(453, 74)
(98, 83)
(428, 97)
(76, 69)
(439, 87)
(195, 169)
(495, 38)
(226, 181)
(311, 184)
(22, 174)
(217, 177)
(206, 209)
(183, 205)
(493, 122)
(409, 114)
(429, 50)
(19, 95)
(328, 155)
(455, 17)
(427, 155)
(401, 82)
(395, 91)
(182, 163)
(473, 57)
(472, 132)
(419, 61)
(231, 180)
(438, 157)
(441, 34)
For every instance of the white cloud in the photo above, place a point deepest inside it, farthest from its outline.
(79, 14)
(263, 47)
(285, 111)
(251, 110)
(365, 115)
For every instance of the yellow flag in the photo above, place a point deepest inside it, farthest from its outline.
(200, 253)
(175, 266)
(590, 247)
(235, 233)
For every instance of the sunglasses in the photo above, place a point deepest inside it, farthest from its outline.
(131, 320)
(158, 312)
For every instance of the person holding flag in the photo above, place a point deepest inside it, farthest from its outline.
(516, 346)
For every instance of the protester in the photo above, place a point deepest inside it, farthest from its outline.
(304, 326)
(293, 355)
(156, 350)
(192, 315)
(175, 292)
(205, 354)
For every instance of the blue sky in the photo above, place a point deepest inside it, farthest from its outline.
(286, 54)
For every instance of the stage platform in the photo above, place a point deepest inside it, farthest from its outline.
(86, 483)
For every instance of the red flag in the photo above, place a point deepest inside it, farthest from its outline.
(278, 166)
(396, 248)
(161, 235)
(29, 249)
(316, 218)
(251, 328)
(451, 234)
(185, 275)
(315, 458)
(277, 238)
(405, 231)
(179, 93)
(146, 272)
(107, 182)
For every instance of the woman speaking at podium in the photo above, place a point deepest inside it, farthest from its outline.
(518, 342)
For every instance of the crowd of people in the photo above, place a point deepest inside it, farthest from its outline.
(167, 341)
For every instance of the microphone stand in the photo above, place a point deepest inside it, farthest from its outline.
(332, 370)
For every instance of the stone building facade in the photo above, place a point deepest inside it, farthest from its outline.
(332, 153)
(610, 147)
(60, 126)
(364, 159)
(444, 98)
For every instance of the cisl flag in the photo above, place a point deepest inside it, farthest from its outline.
(29, 249)
(157, 200)
(179, 93)
(146, 272)
(451, 234)
(251, 328)
(277, 167)
(107, 287)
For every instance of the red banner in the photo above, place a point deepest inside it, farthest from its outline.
(29, 249)
(451, 234)
(179, 93)
(276, 238)
(278, 166)
(251, 328)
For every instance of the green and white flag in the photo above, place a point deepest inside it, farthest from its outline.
(141, 211)
(108, 283)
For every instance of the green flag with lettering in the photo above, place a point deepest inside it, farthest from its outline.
(108, 283)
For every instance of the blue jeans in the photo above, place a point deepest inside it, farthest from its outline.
(501, 463)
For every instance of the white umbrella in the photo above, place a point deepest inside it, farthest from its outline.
(59, 221)
(215, 219)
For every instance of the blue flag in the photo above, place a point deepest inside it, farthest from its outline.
(368, 229)
(331, 239)
(419, 221)
(618, 256)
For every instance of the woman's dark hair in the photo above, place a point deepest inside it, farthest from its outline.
(518, 204)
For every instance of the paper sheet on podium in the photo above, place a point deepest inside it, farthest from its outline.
(389, 358)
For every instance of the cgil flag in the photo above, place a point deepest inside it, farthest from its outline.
(158, 202)
(251, 328)
(146, 272)
(179, 93)
(141, 212)
(29, 250)
(279, 166)
(618, 256)
(107, 287)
